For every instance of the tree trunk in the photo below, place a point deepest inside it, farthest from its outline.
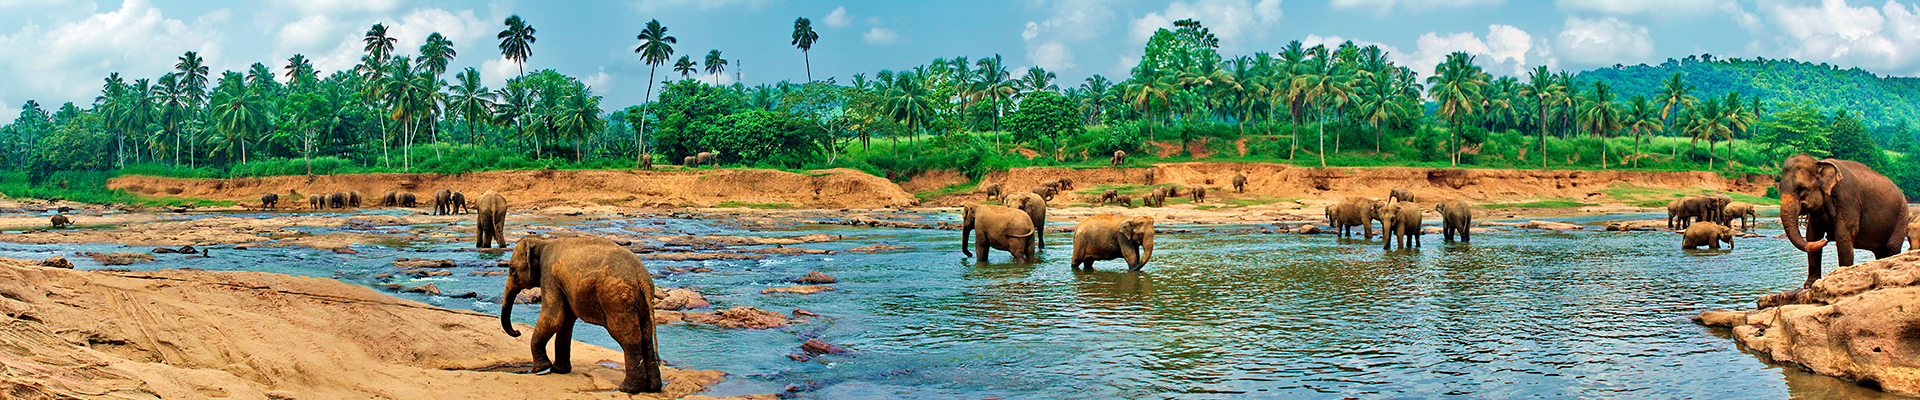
(1322, 127)
(1543, 133)
(808, 57)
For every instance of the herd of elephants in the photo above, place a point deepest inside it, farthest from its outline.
(596, 280)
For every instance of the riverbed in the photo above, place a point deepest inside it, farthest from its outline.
(1516, 313)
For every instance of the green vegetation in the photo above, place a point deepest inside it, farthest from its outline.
(1652, 197)
(1339, 105)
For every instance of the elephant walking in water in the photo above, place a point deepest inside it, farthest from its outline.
(1402, 220)
(491, 223)
(590, 279)
(1456, 218)
(1110, 236)
(998, 227)
(1036, 209)
(1706, 234)
(1844, 202)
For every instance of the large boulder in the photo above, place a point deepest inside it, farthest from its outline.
(1860, 323)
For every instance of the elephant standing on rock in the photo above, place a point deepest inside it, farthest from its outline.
(442, 202)
(1456, 217)
(269, 200)
(1110, 236)
(1738, 211)
(590, 279)
(1845, 202)
(491, 223)
(459, 203)
(1239, 183)
(60, 221)
(1402, 220)
(1708, 234)
(1036, 209)
(999, 227)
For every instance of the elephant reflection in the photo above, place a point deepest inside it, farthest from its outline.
(1113, 289)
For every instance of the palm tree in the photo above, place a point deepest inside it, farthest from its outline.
(175, 109)
(471, 101)
(193, 75)
(435, 53)
(1327, 84)
(994, 87)
(1674, 97)
(1292, 58)
(238, 113)
(1709, 120)
(716, 65)
(1642, 118)
(413, 96)
(1379, 105)
(686, 67)
(579, 117)
(1738, 119)
(1457, 85)
(1099, 92)
(1601, 116)
(1148, 86)
(909, 102)
(803, 38)
(1541, 87)
(655, 48)
(516, 42)
(1035, 80)
(299, 71)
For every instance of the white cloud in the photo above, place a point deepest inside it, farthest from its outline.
(308, 32)
(469, 35)
(879, 35)
(1504, 51)
(465, 30)
(1384, 7)
(1050, 42)
(1605, 41)
(1230, 20)
(657, 5)
(600, 82)
(66, 62)
(1643, 8)
(1053, 56)
(1885, 39)
(838, 18)
(340, 6)
(497, 70)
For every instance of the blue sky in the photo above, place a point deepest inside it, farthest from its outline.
(59, 50)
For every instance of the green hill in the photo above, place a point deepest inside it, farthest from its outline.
(1884, 100)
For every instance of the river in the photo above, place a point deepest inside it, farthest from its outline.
(1516, 313)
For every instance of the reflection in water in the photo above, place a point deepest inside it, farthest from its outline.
(1513, 314)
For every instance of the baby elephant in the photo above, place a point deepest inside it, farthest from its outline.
(1239, 183)
(1110, 236)
(1706, 234)
(61, 221)
(590, 279)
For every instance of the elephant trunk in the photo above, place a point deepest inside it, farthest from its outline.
(965, 231)
(506, 310)
(1790, 219)
(1146, 250)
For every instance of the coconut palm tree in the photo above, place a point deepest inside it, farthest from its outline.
(686, 67)
(436, 53)
(1292, 59)
(1148, 86)
(516, 42)
(1327, 84)
(238, 113)
(193, 77)
(470, 101)
(1099, 93)
(1708, 121)
(1034, 81)
(655, 48)
(1642, 118)
(1379, 106)
(994, 87)
(716, 65)
(1457, 86)
(910, 103)
(299, 70)
(578, 118)
(803, 38)
(175, 110)
(1674, 96)
(414, 95)
(1601, 116)
(1542, 88)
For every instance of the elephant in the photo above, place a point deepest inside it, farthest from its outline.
(1706, 233)
(590, 279)
(1692, 208)
(706, 158)
(1149, 175)
(269, 200)
(689, 161)
(1717, 207)
(1000, 227)
(1239, 183)
(1055, 184)
(1036, 209)
(1456, 217)
(353, 198)
(442, 202)
(646, 161)
(406, 200)
(459, 203)
(1738, 211)
(1675, 209)
(1119, 157)
(1066, 183)
(491, 223)
(1845, 202)
(1354, 211)
(992, 190)
(1401, 194)
(388, 199)
(1110, 236)
(315, 202)
(1044, 191)
(1158, 197)
(1109, 196)
(337, 200)
(60, 221)
(1199, 194)
(1402, 220)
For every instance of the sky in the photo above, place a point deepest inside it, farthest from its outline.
(57, 51)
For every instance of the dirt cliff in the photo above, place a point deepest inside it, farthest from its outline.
(176, 334)
(1860, 323)
(834, 188)
(1428, 184)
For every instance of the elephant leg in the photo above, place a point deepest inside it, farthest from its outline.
(1368, 227)
(543, 330)
(637, 342)
(1466, 233)
(980, 246)
(563, 347)
(1813, 268)
(480, 230)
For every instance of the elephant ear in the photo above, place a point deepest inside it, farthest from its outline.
(1140, 225)
(1830, 176)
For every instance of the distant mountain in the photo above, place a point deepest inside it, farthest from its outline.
(1883, 99)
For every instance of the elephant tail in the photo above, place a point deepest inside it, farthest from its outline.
(1029, 233)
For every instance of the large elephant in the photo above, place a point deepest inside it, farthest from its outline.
(491, 223)
(1239, 183)
(353, 198)
(999, 227)
(1845, 202)
(406, 200)
(389, 199)
(442, 202)
(1456, 217)
(1402, 220)
(1044, 191)
(1401, 194)
(1676, 209)
(1691, 209)
(315, 202)
(1036, 209)
(337, 200)
(269, 200)
(1110, 236)
(594, 280)
(1157, 198)
(1351, 212)
(1716, 207)
(646, 161)
(1738, 211)
(1706, 233)
(60, 221)
(705, 158)
(459, 203)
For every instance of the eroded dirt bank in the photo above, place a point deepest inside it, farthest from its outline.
(1428, 184)
(175, 334)
(835, 188)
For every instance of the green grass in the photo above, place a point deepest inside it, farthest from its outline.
(1652, 197)
(963, 187)
(763, 206)
(1558, 203)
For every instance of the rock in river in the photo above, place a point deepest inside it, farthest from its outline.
(798, 289)
(1860, 323)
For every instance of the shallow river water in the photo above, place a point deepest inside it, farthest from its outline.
(1517, 313)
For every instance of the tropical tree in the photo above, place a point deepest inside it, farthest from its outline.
(1035, 80)
(471, 101)
(436, 53)
(655, 48)
(1327, 84)
(910, 103)
(1642, 118)
(239, 113)
(994, 87)
(803, 38)
(686, 67)
(1542, 88)
(1674, 96)
(1602, 116)
(1147, 86)
(516, 42)
(716, 65)
(1457, 86)
(299, 71)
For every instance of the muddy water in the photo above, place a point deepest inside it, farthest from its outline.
(1514, 314)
